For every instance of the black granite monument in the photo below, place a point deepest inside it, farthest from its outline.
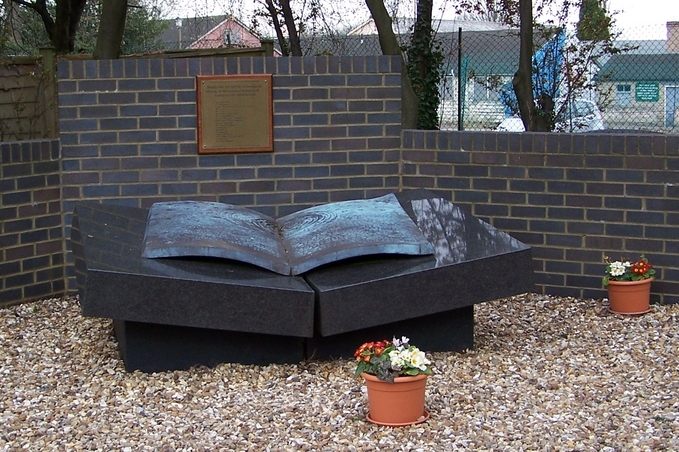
(176, 312)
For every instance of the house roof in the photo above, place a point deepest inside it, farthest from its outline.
(184, 31)
(642, 46)
(663, 67)
(215, 37)
(354, 45)
(488, 52)
(226, 20)
(403, 24)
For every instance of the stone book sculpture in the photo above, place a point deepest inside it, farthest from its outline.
(176, 313)
(290, 245)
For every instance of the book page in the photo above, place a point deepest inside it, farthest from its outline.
(199, 228)
(336, 231)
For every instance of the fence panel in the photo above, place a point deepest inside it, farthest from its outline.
(27, 98)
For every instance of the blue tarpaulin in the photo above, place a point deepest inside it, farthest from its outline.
(547, 68)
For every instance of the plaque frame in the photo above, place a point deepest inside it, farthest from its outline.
(247, 102)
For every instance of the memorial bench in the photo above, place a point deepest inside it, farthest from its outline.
(179, 312)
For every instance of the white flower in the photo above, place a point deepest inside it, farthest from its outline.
(418, 360)
(396, 360)
(619, 268)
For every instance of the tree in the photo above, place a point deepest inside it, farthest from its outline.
(299, 24)
(61, 25)
(26, 30)
(110, 36)
(293, 35)
(594, 23)
(571, 74)
(275, 21)
(523, 79)
(390, 46)
(282, 12)
(423, 59)
(279, 13)
(143, 27)
(424, 66)
(501, 11)
(23, 32)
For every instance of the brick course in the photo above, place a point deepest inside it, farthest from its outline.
(31, 232)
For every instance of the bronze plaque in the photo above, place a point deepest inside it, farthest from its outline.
(235, 113)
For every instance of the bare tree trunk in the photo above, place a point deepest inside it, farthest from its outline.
(111, 28)
(277, 26)
(60, 37)
(61, 30)
(293, 35)
(390, 46)
(534, 118)
(523, 79)
(77, 7)
(422, 33)
(425, 61)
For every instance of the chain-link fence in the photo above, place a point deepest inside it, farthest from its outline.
(635, 87)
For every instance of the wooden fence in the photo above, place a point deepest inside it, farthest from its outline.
(28, 102)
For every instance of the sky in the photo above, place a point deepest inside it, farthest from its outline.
(639, 19)
(648, 16)
(645, 12)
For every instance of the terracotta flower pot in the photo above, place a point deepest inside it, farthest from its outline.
(396, 404)
(629, 297)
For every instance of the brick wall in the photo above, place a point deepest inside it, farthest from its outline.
(31, 233)
(571, 197)
(128, 132)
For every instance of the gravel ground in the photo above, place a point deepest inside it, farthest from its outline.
(548, 374)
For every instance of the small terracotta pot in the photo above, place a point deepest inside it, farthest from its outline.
(629, 297)
(396, 404)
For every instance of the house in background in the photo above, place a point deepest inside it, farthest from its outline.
(230, 32)
(212, 32)
(182, 32)
(641, 87)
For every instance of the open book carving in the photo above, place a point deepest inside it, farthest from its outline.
(290, 245)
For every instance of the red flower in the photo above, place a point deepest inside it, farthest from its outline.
(641, 267)
(370, 349)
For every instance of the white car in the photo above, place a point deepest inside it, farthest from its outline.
(582, 116)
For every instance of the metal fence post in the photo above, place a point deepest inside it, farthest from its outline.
(459, 79)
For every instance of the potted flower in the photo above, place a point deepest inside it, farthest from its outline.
(395, 374)
(629, 285)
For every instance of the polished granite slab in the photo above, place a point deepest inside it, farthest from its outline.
(473, 262)
(176, 312)
(114, 281)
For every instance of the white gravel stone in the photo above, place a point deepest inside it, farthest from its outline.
(548, 374)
